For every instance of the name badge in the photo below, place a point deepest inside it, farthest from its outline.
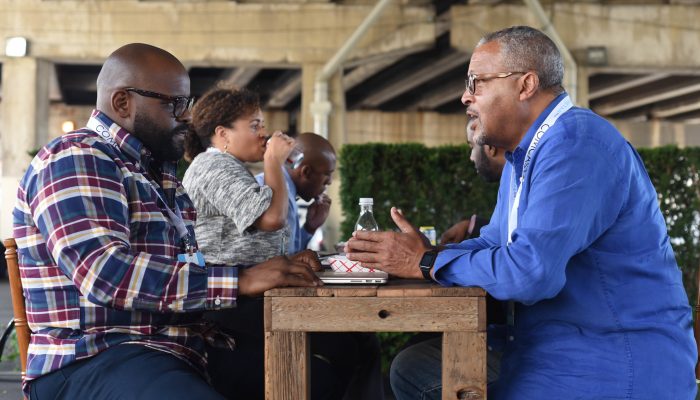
(193, 258)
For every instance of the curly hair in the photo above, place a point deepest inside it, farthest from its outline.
(218, 107)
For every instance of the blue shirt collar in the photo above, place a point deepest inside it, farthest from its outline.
(517, 156)
(290, 184)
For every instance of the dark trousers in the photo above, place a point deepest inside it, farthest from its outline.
(343, 365)
(124, 372)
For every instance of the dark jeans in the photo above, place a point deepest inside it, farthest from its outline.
(416, 372)
(124, 372)
(343, 365)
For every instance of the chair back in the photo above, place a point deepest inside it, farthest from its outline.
(21, 326)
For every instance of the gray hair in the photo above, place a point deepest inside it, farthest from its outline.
(526, 49)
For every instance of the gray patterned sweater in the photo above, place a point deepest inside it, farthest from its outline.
(228, 201)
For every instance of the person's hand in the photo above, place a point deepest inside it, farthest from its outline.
(457, 233)
(317, 213)
(276, 272)
(308, 257)
(278, 147)
(397, 253)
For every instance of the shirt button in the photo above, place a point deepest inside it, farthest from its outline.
(511, 338)
(490, 348)
(217, 302)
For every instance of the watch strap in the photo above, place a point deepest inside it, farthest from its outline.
(425, 265)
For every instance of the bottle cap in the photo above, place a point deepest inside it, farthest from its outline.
(366, 201)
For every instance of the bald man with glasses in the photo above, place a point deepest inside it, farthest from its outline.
(115, 285)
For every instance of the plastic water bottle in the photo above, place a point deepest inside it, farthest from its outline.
(366, 221)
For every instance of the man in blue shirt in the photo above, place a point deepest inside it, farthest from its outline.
(577, 241)
(308, 181)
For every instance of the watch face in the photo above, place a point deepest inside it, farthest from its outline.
(428, 259)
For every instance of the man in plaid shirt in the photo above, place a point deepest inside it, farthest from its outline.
(113, 281)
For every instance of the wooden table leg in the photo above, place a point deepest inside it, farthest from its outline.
(286, 366)
(464, 365)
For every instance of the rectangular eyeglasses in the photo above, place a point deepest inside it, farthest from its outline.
(181, 104)
(471, 80)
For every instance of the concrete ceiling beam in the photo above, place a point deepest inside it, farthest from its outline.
(415, 78)
(287, 92)
(240, 76)
(435, 99)
(676, 109)
(625, 84)
(215, 33)
(656, 35)
(364, 72)
(610, 108)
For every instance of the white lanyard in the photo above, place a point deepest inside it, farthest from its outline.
(176, 218)
(564, 105)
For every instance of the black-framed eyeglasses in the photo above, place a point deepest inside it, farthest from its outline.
(181, 104)
(471, 80)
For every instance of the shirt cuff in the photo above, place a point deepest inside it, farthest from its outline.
(222, 286)
(444, 264)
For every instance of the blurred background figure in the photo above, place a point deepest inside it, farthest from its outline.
(308, 182)
(488, 161)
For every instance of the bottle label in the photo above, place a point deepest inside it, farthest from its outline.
(430, 233)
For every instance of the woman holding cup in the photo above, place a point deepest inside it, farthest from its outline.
(243, 223)
(239, 221)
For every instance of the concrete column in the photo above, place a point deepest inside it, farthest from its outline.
(655, 134)
(581, 99)
(308, 78)
(336, 135)
(24, 119)
(679, 134)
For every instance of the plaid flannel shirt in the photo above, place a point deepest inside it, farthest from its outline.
(98, 254)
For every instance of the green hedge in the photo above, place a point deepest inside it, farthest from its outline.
(674, 173)
(433, 186)
(439, 186)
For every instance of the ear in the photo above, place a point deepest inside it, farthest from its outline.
(220, 131)
(530, 84)
(305, 171)
(491, 151)
(121, 103)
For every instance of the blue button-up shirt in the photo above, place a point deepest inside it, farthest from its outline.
(299, 238)
(600, 308)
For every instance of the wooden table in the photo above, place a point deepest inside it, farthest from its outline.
(399, 306)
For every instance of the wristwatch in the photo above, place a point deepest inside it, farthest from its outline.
(426, 263)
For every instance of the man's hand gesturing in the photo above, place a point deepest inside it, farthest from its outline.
(397, 253)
